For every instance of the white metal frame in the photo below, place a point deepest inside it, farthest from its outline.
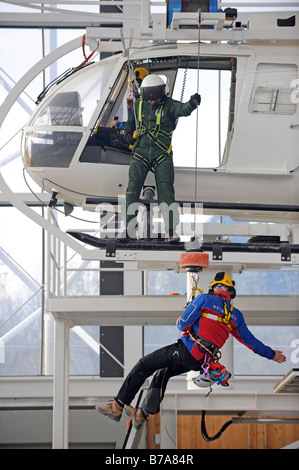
(70, 312)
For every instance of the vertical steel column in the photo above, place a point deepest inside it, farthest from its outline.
(133, 335)
(111, 337)
(60, 432)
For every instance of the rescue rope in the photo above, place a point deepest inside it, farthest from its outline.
(195, 288)
(196, 133)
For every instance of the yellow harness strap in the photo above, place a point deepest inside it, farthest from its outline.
(227, 315)
(154, 133)
(225, 319)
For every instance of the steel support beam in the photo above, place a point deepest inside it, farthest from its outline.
(60, 431)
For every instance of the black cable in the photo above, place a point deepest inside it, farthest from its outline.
(43, 204)
(204, 429)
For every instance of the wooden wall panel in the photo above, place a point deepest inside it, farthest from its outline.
(236, 436)
(189, 433)
(153, 430)
(280, 435)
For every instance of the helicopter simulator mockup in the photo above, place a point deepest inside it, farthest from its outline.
(70, 149)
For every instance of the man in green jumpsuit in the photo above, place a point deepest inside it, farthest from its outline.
(149, 130)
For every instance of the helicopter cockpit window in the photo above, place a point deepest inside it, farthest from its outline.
(53, 134)
(50, 148)
(63, 110)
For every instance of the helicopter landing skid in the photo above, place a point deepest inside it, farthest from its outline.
(112, 244)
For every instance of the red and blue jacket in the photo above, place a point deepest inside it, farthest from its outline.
(205, 314)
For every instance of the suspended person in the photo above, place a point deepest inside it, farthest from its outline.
(206, 324)
(134, 84)
(156, 116)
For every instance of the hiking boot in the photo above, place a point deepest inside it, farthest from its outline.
(136, 416)
(113, 410)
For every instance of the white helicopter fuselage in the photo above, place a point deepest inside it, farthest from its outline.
(260, 162)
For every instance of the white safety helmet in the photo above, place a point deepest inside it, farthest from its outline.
(203, 380)
(153, 88)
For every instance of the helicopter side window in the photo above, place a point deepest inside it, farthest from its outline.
(272, 90)
(65, 109)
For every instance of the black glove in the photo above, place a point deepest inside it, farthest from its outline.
(195, 100)
(130, 139)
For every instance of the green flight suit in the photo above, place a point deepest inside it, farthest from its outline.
(152, 152)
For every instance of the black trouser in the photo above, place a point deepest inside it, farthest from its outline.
(168, 361)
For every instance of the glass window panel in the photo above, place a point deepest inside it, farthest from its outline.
(84, 351)
(279, 338)
(50, 149)
(267, 283)
(80, 92)
(273, 87)
(20, 294)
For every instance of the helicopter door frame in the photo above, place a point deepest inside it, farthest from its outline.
(180, 60)
(98, 108)
(116, 98)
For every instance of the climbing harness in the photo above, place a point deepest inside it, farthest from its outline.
(204, 346)
(225, 319)
(154, 135)
(227, 315)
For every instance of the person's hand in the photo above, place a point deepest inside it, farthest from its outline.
(195, 100)
(279, 357)
(114, 123)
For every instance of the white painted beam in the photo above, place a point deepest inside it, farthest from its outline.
(164, 310)
(250, 393)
